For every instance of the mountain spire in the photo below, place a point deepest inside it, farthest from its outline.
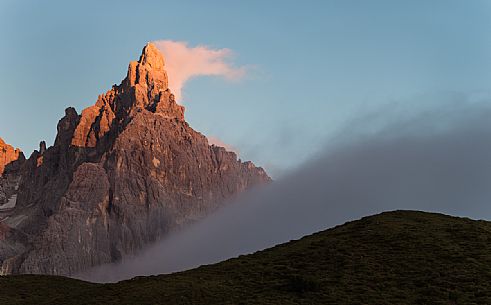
(123, 173)
(144, 88)
(152, 57)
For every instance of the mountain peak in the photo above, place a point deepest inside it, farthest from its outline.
(152, 57)
(144, 88)
(121, 174)
(148, 71)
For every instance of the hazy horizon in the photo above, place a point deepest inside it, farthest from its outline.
(437, 160)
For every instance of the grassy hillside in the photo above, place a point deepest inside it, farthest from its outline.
(400, 257)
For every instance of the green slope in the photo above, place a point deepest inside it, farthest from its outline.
(400, 257)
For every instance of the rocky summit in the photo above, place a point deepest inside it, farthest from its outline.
(119, 176)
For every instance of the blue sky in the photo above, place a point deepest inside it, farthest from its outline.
(316, 65)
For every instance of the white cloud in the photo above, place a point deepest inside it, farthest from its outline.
(183, 63)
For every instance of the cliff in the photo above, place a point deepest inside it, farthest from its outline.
(8, 154)
(119, 176)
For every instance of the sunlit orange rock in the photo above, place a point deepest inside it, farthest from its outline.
(8, 154)
(119, 176)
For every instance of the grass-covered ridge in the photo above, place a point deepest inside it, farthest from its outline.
(400, 257)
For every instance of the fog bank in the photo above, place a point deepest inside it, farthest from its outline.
(438, 161)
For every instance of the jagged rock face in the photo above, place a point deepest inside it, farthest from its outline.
(8, 154)
(120, 175)
(145, 87)
(11, 161)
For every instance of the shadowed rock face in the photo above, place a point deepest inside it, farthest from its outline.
(120, 175)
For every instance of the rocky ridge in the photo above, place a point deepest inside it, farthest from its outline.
(11, 160)
(119, 176)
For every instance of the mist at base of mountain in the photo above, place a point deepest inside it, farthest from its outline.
(399, 257)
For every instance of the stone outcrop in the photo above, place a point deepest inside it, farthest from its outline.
(8, 154)
(119, 176)
(11, 161)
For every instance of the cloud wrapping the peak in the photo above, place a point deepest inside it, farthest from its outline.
(438, 160)
(184, 62)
